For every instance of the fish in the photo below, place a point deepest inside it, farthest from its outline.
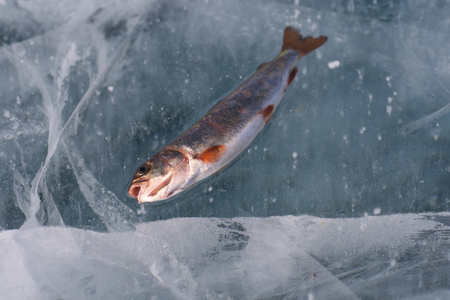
(226, 129)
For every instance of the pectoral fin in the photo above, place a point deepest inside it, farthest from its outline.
(212, 154)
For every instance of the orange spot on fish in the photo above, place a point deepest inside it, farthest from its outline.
(292, 75)
(267, 112)
(212, 154)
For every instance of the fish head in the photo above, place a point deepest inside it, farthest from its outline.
(162, 176)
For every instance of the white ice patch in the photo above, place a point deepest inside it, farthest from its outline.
(389, 109)
(345, 138)
(334, 64)
(388, 81)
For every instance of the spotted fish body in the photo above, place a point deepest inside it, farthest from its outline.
(226, 129)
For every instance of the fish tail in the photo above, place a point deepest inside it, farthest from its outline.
(293, 39)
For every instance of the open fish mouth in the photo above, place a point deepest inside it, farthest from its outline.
(135, 191)
(142, 191)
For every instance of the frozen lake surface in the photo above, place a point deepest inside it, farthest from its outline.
(345, 194)
(304, 257)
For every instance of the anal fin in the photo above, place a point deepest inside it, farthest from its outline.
(267, 112)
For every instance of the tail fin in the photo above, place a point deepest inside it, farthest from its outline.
(294, 40)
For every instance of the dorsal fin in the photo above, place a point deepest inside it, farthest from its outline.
(262, 65)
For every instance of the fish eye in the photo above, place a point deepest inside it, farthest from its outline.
(143, 169)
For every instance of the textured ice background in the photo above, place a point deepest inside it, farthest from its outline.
(344, 195)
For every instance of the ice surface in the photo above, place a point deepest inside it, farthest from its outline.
(287, 257)
(91, 89)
